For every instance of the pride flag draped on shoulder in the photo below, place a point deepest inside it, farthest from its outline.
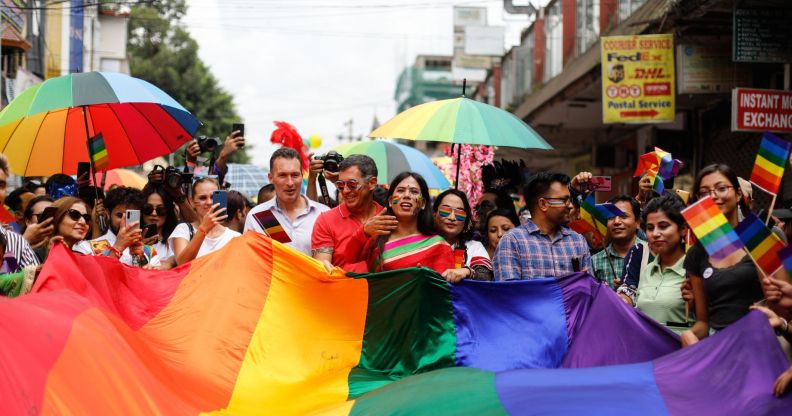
(258, 328)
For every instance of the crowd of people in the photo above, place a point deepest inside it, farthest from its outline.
(645, 256)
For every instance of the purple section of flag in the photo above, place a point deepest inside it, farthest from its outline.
(729, 373)
(785, 254)
(606, 331)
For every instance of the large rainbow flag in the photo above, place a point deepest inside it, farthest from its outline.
(259, 328)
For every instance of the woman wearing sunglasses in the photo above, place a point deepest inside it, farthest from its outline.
(71, 224)
(403, 235)
(454, 221)
(160, 210)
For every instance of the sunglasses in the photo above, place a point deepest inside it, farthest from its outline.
(76, 215)
(148, 209)
(457, 214)
(353, 185)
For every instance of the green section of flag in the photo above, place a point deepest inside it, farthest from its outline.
(418, 302)
(452, 391)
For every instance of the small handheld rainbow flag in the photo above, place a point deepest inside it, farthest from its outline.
(271, 226)
(659, 166)
(99, 155)
(762, 244)
(712, 229)
(597, 215)
(785, 255)
(770, 163)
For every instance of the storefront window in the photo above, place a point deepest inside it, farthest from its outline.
(587, 24)
(554, 48)
(627, 7)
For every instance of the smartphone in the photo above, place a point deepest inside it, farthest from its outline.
(600, 183)
(83, 168)
(220, 197)
(238, 127)
(48, 212)
(149, 230)
(133, 215)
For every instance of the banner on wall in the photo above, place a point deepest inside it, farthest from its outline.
(638, 79)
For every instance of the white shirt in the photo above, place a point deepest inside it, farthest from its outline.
(84, 247)
(476, 249)
(299, 231)
(209, 245)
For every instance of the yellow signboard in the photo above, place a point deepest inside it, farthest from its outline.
(638, 79)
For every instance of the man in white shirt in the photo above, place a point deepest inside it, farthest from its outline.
(295, 212)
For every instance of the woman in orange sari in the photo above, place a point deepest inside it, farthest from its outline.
(408, 239)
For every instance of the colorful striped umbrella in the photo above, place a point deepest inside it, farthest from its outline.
(461, 121)
(123, 177)
(393, 159)
(45, 130)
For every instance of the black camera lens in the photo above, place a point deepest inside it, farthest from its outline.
(173, 179)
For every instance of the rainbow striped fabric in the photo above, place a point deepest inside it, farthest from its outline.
(785, 255)
(659, 166)
(258, 328)
(712, 229)
(99, 156)
(762, 244)
(597, 215)
(771, 160)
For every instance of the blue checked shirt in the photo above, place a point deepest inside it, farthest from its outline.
(525, 253)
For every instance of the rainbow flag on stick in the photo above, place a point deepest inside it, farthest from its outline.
(99, 155)
(771, 160)
(785, 255)
(597, 215)
(712, 229)
(762, 244)
(259, 328)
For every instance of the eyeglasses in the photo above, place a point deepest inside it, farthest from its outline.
(148, 209)
(353, 184)
(558, 201)
(455, 213)
(718, 191)
(76, 215)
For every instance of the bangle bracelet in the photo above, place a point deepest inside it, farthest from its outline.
(783, 330)
(200, 228)
(115, 251)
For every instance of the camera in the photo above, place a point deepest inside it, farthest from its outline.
(174, 178)
(331, 161)
(207, 144)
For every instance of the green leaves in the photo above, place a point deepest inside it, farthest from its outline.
(162, 52)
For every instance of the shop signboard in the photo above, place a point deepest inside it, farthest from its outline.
(761, 110)
(706, 68)
(638, 79)
(762, 35)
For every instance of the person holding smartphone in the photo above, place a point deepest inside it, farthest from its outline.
(122, 239)
(159, 212)
(192, 240)
(37, 232)
(234, 142)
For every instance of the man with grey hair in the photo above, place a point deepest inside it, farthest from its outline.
(357, 179)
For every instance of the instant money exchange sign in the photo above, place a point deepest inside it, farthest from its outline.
(638, 79)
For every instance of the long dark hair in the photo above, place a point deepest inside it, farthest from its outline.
(170, 207)
(726, 171)
(28, 213)
(467, 228)
(425, 215)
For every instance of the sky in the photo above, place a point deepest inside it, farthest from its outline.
(319, 63)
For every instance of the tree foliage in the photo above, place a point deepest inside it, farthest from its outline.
(162, 52)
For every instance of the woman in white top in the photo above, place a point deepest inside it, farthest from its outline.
(192, 240)
(453, 220)
(159, 209)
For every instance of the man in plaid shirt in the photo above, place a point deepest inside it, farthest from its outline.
(544, 246)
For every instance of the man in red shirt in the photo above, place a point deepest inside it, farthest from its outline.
(357, 179)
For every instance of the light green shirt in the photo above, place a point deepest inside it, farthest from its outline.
(659, 295)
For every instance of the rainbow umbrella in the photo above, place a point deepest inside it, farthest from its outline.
(123, 177)
(393, 159)
(461, 121)
(45, 130)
